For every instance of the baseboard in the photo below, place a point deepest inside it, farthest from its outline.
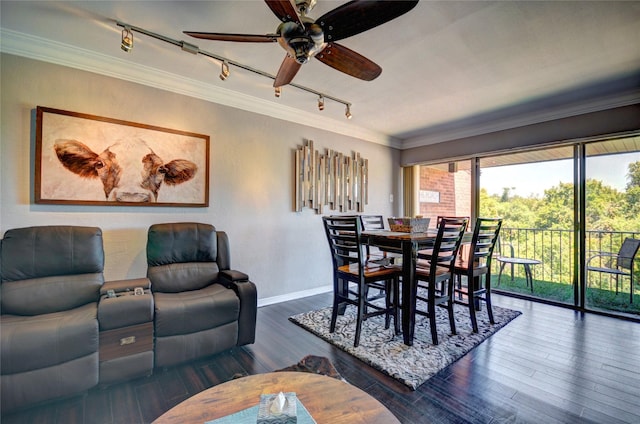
(295, 295)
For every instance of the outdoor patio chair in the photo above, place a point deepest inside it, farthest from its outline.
(618, 264)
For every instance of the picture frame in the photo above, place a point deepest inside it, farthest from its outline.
(84, 159)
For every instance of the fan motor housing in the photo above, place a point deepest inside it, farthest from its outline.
(301, 44)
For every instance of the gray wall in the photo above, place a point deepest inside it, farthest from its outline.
(251, 176)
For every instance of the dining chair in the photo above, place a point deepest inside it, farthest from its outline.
(353, 276)
(474, 263)
(618, 264)
(382, 253)
(434, 268)
(439, 218)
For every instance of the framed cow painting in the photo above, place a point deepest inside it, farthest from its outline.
(91, 160)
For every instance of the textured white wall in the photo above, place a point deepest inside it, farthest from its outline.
(251, 177)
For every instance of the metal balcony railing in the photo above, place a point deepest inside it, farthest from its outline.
(555, 249)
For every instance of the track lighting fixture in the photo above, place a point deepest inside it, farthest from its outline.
(127, 40)
(127, 45)
(224, 73)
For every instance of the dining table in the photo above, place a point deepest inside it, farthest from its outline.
(409, 244)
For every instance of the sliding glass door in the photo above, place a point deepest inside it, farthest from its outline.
(612, 187)
(533, 193)
(567, 212)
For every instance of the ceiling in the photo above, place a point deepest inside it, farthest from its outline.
(450, 68)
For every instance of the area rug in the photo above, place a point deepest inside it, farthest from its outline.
(411, 365)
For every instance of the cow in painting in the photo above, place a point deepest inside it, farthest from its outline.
(129, 170)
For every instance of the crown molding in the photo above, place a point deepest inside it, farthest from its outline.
(37, 48)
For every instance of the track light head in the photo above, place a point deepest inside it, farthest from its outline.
(320, 102)
(224, 72)
(278, 91)
(127, 40)
(347, 112)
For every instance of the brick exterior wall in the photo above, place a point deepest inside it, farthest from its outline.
(454, 189)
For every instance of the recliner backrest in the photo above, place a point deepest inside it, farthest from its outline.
(185, 256)
(50, 268)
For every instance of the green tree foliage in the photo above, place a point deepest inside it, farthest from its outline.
(607, 209)
(555, 209)
(632, 200)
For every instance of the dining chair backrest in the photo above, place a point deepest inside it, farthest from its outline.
(372, 222)
(627, 253)
(447, 243)
(440, 217)
(483, 242)
(343, 235)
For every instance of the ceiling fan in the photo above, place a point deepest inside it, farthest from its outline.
(303, 37)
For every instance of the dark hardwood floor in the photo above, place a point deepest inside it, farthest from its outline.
(550, 365)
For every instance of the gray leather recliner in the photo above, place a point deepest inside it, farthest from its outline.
(202, 306)
(50, 278)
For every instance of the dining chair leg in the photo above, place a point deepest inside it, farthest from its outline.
(388, 303)
(450, 303)
(432, 320)
(360, 319)
(487, 298)
(334, 312)
(472, 310)
(396, 306)
(489, 308)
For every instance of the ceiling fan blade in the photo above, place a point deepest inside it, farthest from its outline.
(288, 69)
(358, 16)
(284, 10)
(346, 60)
(246, 38)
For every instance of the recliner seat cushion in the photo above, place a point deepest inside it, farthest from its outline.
(195, 310)
(31, 343)
(179, 277)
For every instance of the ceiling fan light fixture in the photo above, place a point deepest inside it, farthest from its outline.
(224, 72)
(320, 102)
(126, 43)
(347, 112)
(278, 91)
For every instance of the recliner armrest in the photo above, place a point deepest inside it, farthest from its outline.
(231, 276)
(122, 306)
(247, 293)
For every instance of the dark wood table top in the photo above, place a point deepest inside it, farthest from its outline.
(327, 399)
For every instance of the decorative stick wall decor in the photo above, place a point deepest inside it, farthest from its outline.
(332, 179)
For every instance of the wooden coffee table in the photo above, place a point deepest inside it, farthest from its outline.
(327, 399)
